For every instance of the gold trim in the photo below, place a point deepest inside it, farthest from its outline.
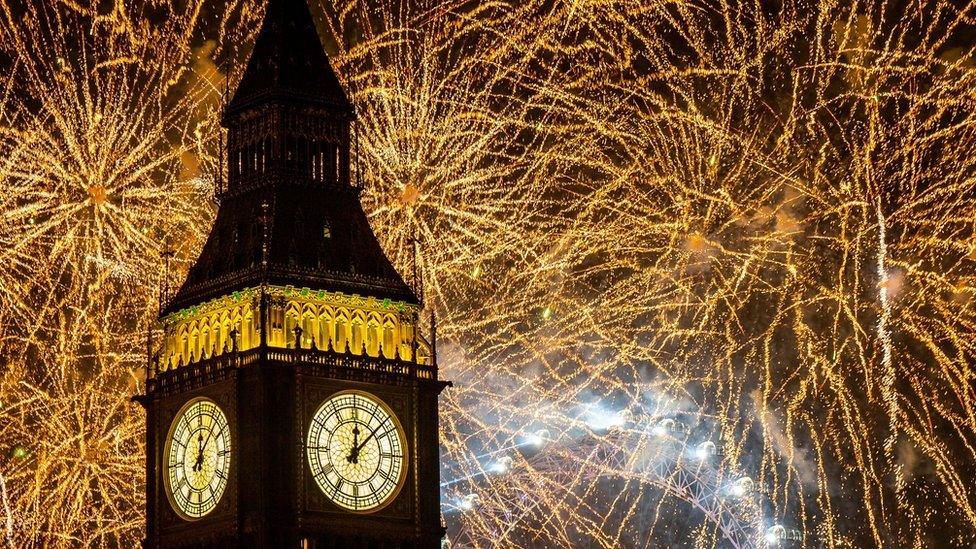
(403, 443)
(165, 461)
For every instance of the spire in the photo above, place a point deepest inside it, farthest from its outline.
(289, 160)
(288, 62)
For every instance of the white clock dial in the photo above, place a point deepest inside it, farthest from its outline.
(356, 451)
(197, 458)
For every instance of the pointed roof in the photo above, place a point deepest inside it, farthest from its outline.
(289, 231)
(308, 237)
(289, 62)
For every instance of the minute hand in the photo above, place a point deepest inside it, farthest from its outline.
(365, 440)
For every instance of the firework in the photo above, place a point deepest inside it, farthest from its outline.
(718, 260)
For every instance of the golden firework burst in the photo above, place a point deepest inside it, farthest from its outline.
(755, 221)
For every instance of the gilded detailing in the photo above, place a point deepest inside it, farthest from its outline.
(317, 320)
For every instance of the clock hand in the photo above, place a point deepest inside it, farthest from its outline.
(198, 466)
(365, 440)
(209, 436)
(353, 456)
(199, 462)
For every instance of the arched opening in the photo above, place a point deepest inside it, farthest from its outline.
(183, 356)
(291, 321)
(194, 343)
(248, 336)
(389, 340)
(226, 341)
(340, 342)
(205, 342)
(308, 330)
(372, 337)
(322, 340)
(356, 342)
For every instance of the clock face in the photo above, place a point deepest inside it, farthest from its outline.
(356, 451)
(197, 458)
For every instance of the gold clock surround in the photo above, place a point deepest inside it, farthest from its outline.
(317, 430)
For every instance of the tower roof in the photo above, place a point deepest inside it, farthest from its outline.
(297, 220)
(288, 62)
(306, 237)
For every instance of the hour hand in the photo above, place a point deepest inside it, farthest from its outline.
(353, 456)
(198, 464)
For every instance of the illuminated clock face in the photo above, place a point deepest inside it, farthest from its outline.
(197, 458)
(356, 451)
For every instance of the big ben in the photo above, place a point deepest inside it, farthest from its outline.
(293, 402)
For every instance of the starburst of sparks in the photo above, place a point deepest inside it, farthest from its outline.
(717, 259)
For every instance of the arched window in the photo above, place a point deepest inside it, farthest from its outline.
(322, 341)
(205, 342)
(291, 321)
(372, 337)
(308, 329)
(225, 339)
(356, 343)
(184, 355)
(194, 343)
(218, 337)
(248, 337)
(389, 340)
(341, 333)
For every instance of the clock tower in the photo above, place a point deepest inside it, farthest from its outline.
(293, 399)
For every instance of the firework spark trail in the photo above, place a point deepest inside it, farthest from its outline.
(103, 155)
(738, 243)
(888, 382)
(619, 203)
(9, 519)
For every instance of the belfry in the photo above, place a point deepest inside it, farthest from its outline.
(293, 401)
